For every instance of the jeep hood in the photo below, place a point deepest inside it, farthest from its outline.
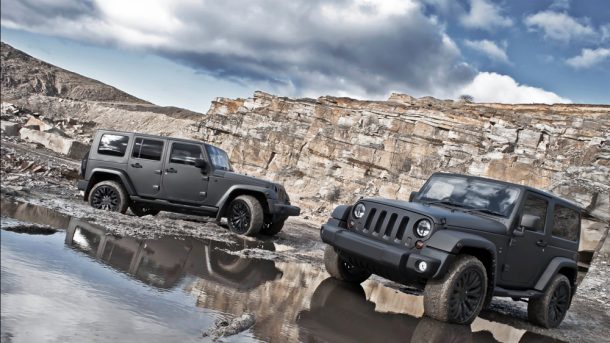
(245, 179)
(451, 218)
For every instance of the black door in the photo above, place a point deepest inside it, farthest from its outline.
(182, 181)
(145, 165)
(528, 256)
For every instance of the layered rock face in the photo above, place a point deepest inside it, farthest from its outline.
(334, 150)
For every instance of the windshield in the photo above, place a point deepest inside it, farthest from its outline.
(219, 158)
(476, 195)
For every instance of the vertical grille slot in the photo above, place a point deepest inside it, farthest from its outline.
(369, 219)
(379, 222)
(402, 227)
(390, 226)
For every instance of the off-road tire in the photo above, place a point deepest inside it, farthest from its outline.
(549, 310)
(273, 228)
(118, 200)
(447, 299)
(341, 269)
(245, 215)
(141, 210)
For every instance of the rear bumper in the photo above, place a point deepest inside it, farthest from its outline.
(396, 263)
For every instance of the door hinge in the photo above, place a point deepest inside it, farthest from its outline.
(505, 268)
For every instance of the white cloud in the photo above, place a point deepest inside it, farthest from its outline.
(484, 15)
(588, 58)
(489, 48)
(492, 87)
(605, 32)
(359, 47)
(560, 26)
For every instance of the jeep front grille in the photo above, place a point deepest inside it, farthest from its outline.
(386, 223)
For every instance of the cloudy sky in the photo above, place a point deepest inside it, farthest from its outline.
(186, 52)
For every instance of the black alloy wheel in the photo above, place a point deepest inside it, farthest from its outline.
(467, 295)
(105, 198)
(560, 303)
(240, 217)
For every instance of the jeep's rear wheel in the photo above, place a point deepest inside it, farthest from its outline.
(245, 215)
(549, 310)
(274, 227)
(110, 196)
(141, 210)
(459, 296)
(341, 269)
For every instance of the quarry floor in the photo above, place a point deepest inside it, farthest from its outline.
(52, 188)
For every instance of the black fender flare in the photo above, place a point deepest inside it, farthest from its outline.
(453, 242)
(552, 269)
(122, 176)
(341, 212)
(224, 201)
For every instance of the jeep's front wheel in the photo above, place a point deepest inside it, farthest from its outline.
(549, 310)
(341, 269)
(245, 215)
(273, 228)
(458, 297)
(110, 196)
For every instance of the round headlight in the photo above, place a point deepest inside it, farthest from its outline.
(423, 228)
(359, 210)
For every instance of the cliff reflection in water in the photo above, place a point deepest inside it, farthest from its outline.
(164, 262)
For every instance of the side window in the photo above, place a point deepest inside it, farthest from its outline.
(566, 223)
(113, 145)
(185, 153)
(149, 149)
(536, 206)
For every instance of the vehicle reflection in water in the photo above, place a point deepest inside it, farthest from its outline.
(163, 262)
(341, 312)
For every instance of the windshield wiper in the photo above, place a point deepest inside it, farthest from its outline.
(485, 210)
(444, 202)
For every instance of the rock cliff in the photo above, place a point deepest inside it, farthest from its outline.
(334, 150)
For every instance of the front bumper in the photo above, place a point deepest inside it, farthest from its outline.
(285, 210)
(82, 185)
(391, 261)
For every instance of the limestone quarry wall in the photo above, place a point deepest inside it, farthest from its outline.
(333, 150)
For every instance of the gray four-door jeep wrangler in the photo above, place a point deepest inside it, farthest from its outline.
(152, 173)
(463, 240)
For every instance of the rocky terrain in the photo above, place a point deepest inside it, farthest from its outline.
(326, 151)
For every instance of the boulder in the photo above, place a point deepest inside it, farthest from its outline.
(66, 146)
(10, 128)
(43, 126)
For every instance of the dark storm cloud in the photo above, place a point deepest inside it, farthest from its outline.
(365, 48)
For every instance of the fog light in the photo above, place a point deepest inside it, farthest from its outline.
(422, 266)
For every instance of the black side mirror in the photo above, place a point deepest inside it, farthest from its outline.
(201, 164)
(413, 196)
(528, 221)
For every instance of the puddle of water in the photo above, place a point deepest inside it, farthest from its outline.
(84, 284)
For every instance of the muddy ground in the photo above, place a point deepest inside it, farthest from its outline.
(34, 175)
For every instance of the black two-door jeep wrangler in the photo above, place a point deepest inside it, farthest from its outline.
(149, 174)
(463, 240)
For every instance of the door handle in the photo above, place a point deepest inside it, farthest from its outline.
(136, 165)
(541, 243)
(171, 170)
(157, 171)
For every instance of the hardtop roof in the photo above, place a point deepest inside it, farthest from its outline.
(563, 201)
